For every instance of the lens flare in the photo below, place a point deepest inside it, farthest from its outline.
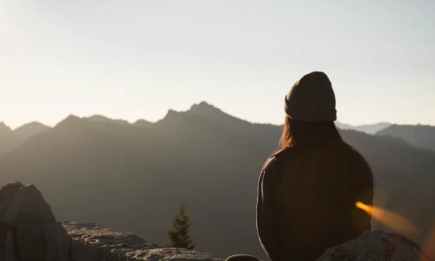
(389, 218)
(429, 247)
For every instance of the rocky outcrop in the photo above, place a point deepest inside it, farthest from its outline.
(376, 246)
(29, 232)
(26, 222)
(92, 242)
(26, 207)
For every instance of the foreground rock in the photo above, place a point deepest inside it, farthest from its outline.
(376, 246)
(92, 242)
(26, 207)
(28, 228)
(29, 232)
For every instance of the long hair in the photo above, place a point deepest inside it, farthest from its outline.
(294, 131)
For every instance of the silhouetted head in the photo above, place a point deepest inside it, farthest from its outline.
(310, 109)
(311, 99)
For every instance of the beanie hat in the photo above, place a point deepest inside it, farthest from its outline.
(311, 99)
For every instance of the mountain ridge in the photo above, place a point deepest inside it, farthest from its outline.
(131, 178)
(12, 139)
(207, 109)
(366, 128)
(422, 136)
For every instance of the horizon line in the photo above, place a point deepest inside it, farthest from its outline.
(195, 104)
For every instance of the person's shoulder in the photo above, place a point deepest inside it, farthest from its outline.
(357, 158)
(357, 154)
(277, 159)
(271, 172)
(352, 150)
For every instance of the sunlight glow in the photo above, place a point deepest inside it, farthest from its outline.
(429, 246)
(389, 218)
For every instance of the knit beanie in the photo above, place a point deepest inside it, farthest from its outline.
(311, 99)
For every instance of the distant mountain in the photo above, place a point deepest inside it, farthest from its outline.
(4, 128)
(131, 178)
(7, 139)
(422, 136)
(143, 123)
(259, 131)
(99, 118)
(344, 126)
(30, 129)
(12, 139)
(103, 119)
(368, 128)
(372, 128)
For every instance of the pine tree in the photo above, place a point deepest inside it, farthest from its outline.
(179, 233)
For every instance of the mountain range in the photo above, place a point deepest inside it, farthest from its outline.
(368, 128)
(132, 177)
(12, 139)
(418, 135)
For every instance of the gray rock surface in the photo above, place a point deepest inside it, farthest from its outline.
(376, 246)
(9, 249)
(28, 207)
(26, 226)
(29, 232)
(7, 193)
(57, 242)
(31, 243)
(92, 242)
(3, 233)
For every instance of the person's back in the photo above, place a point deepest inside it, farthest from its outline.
(320, 184)
(308, 190)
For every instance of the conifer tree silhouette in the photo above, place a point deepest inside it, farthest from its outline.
(179, 234)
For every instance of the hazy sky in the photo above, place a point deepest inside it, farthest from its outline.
(138, 58)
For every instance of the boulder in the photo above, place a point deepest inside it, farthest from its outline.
(3, 233)
(31, 243)
(376, 246)
(28, 207)
(7, 193)
(9, 253)
(57, 241)
(24, 217)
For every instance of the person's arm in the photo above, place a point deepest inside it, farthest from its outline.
(269, 209)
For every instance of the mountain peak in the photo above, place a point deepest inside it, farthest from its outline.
(33, 124)
(206, 109)
(142, 123)
(4, 127)
(97, 118)
(204, 106)
(171, 113)
(203, 103)
(30, 129)
(100, 118)
(70, 120)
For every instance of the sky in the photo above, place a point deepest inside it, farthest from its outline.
(137, 59)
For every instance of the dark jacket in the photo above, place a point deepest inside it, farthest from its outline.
(306, 199)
